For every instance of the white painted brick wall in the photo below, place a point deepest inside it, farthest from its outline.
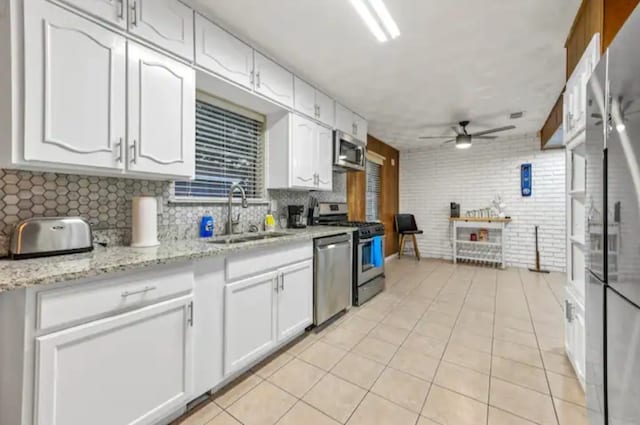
(431, 178)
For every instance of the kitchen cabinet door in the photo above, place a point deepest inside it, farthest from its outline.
(344, 120)
(250, 320)
(303, 147)
(326, 109)
(161, 114)
(75, 89)
(222, 53)
(295, 299)
(575, 337)
(134, 368)
(324, 158)
(360, 126)
(112, 11)
(273, 81)
(305, 98)
(166, 23)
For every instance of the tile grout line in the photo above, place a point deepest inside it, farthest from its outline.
(546, 376)
(493, 335)
(449, 339)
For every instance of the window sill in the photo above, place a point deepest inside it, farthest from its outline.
(177, 200)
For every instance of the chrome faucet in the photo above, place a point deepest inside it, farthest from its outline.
(245, 204)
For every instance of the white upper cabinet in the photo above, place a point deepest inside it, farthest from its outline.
(344, 119)
(295, 299)
(305, 98)
(351, 123)
(360, 128)
(131, 369)
(303, 147)
(161, 137)
(324, 158)
(222, 53)
(575, 95)
(326, 109)
(301, 154)
(165, 23)
(273, 81)
(113, 11)
(75, 89)
(249, 320)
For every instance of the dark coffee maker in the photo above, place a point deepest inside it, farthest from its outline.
(296, 218)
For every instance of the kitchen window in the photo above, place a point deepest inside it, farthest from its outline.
(229, 149)
(373, 188)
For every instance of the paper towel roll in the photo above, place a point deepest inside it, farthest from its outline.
(144, 221)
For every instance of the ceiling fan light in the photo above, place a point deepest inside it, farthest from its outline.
(369, 20)
(463, 142)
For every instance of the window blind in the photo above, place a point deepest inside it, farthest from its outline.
(373, 190)
(229, 149)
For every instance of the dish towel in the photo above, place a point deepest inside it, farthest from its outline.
(376, 251)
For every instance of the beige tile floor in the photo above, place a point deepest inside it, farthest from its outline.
(444, 344)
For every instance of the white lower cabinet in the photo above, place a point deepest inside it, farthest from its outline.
(249, 320)
(265, 310)
(295, 299)
(133, 368)
(575, 337)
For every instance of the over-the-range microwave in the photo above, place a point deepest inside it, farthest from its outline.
(348, 153)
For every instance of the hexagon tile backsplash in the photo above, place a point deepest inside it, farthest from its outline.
(106, 203)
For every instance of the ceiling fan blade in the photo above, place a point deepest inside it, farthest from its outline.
(434, 137)
(449, 141)
(494, 130)
(456, 129)
(485, 137)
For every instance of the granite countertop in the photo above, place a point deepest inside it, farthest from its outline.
(102, 260)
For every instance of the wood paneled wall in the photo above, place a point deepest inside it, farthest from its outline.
(390, 199)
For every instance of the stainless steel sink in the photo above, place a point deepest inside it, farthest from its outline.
(229, 240)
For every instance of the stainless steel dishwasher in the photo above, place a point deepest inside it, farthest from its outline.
(332, 276)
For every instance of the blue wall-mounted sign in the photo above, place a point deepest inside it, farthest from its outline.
(525, 179)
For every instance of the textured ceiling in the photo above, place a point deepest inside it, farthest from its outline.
(456, 59)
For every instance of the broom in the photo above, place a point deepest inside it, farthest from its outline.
(538, 269)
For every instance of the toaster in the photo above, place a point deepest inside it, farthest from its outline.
(45, 236)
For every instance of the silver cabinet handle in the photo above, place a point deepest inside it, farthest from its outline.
(303, 179)
(121, 9)
(134, 14)
(282, 281)
(277, 284)
(120, 146)
(253, 79)
(319, 113)
(134, 153)
(258, 78)
(144, 290)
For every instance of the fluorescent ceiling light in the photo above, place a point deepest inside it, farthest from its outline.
(369, 19)
(383, 13)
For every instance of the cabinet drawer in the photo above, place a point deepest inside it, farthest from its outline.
(81, 302)
(262, 260)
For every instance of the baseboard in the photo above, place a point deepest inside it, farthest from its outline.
(391, 257)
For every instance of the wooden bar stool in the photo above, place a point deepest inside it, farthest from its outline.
(405, 226)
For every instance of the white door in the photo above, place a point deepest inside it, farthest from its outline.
(303, 148)
(249, 325)
(295, 299)
(161, 138)
(324, 158)
(222, 53)
(344, 120)
(113, 11)
(134, 368)
(326, 109)
(305, 98)
(273, 81)
(165, 23)
(75, 82)
(360, 126)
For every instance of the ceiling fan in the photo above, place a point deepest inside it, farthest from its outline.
(463, 138)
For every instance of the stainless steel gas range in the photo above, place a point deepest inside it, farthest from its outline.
(368, 280)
